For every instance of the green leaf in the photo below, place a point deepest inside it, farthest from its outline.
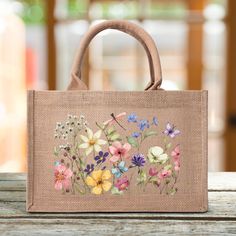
(77, 188)
(142, 177)
(115, 191)
(132, 141)
(111, 130)
(153, 179)
(56, 152)
(168, 145)
(173, 191)
(148, 133)
(114, 137)
(168, 167)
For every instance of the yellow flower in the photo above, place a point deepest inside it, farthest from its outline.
(99, 181)
(92, 142)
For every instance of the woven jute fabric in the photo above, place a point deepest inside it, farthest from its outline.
(186, 109)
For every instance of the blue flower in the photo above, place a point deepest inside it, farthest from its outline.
(135, 134)
(138, 160)
(143, 124)
(101, 157)
(89, 169)
(155, 121)
(132, 118)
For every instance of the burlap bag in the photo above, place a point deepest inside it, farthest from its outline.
(105, 151)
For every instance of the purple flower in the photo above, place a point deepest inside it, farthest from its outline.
(89, 169)
(143, 124)
(101, 157)
(138, 160)
(132, 118)
(135, 134)
(171, 130)
(155, 121)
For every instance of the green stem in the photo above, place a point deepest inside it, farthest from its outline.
(81, 174)
(104, 131)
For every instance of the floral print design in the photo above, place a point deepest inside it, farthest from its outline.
(112, 158)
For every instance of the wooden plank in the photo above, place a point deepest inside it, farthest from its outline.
(12, 196)
(12, 176)
(15, 185)
(221, 207)
(222, 181)
(217, 181)
(115, 227)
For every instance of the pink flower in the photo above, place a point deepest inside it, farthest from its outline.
(164, 174)
(177, 165)
(176, 153)
(153, 171)
(122, 183)
(118, 151)
(62, 177)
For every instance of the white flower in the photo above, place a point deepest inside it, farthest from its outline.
(156, 155)
(92, 141)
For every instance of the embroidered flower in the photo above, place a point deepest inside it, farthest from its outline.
(92, 142)
(122, 183)
(138, 160)
(153, 171)
(143, 124)
(62, 177)
(89, 168)
(119, 151)
(171, 130)
(156, 155)
(98, 181)
(132, 118)
(101, 157)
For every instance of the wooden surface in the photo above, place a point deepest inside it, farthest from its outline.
(220, 219)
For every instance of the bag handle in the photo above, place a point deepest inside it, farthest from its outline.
(127, 27)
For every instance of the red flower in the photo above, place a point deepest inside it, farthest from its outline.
(122, 183)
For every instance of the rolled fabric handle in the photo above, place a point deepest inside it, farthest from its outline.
(127, 27)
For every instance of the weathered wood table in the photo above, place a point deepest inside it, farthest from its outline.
(220, 219)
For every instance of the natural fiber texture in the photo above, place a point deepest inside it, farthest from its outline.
(130, 28)
(188, 109)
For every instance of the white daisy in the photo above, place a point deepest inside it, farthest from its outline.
(92, 141)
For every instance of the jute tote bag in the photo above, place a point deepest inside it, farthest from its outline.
(110, 151)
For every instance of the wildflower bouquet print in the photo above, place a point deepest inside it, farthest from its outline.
(112, 159)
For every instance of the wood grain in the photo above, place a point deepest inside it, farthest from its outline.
(115, 227)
